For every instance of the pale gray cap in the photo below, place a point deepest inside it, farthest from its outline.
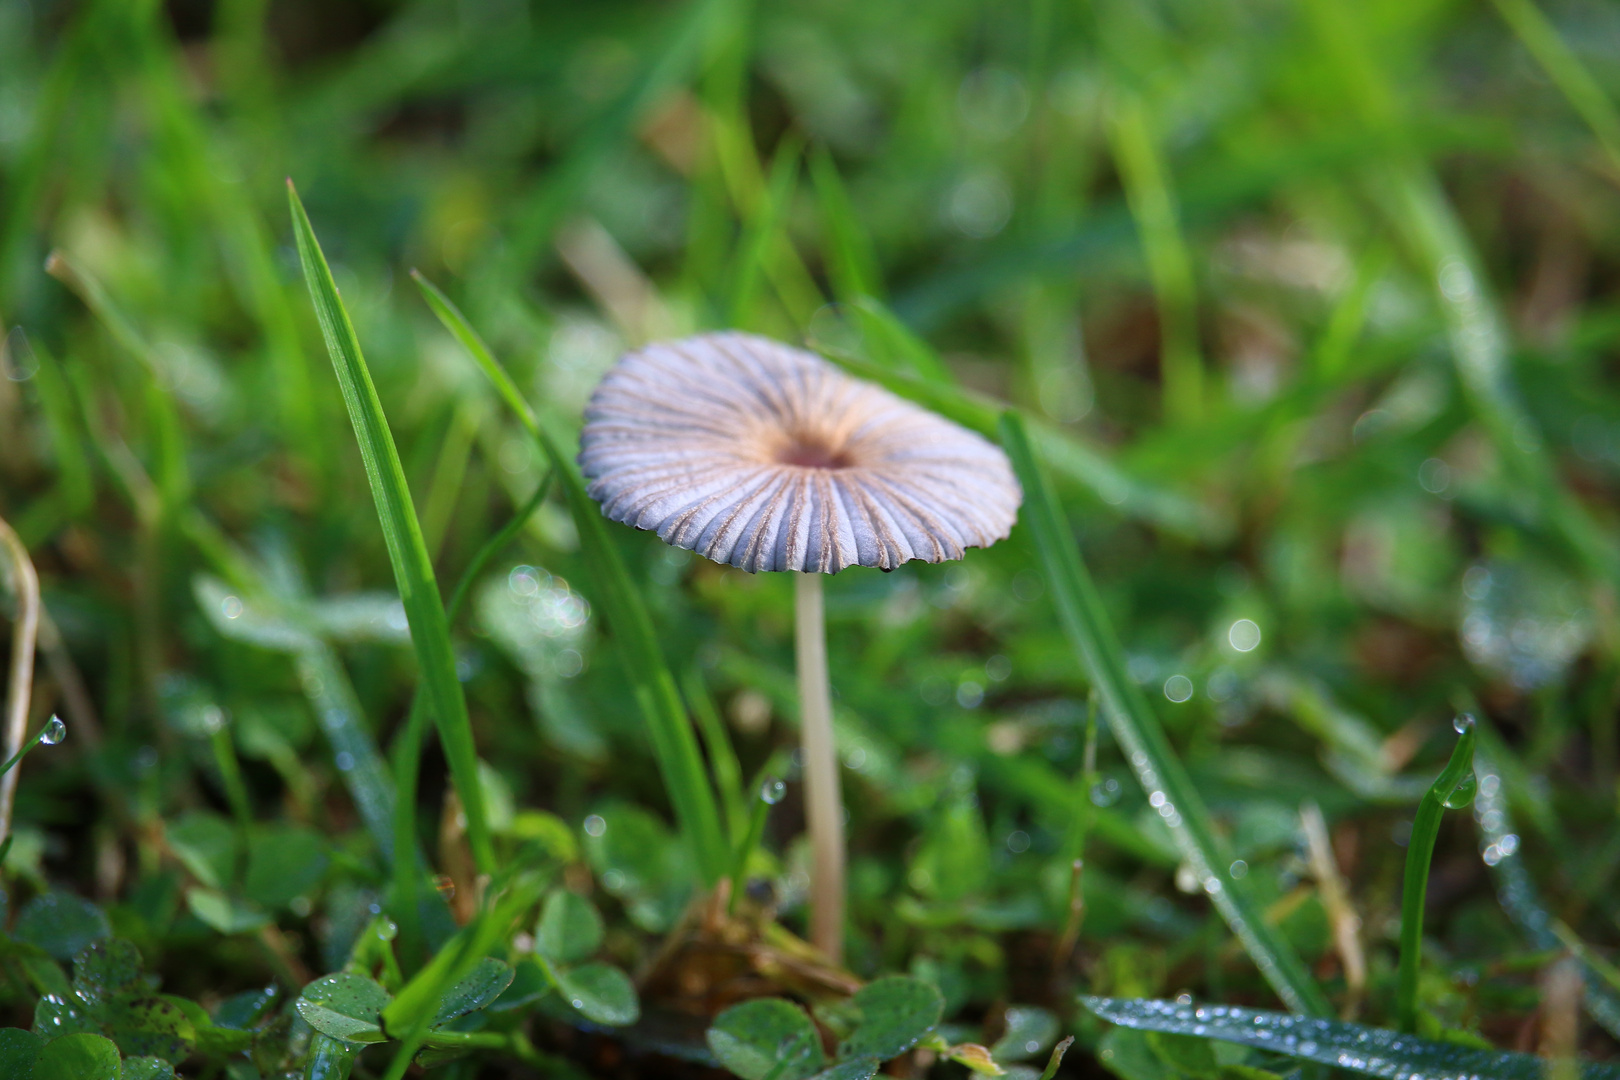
(767, 457)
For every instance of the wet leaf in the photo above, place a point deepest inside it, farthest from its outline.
(146, 1068)
(61, 924)
(78, 1057)
(767, 1037)
(602, 993)
(56, 1015)
(242, 1011)
(329, 1059)
(344, 1006)
(859, 1069)
(530, 983)
(18, 1049)
(486, 983)
(570, 928)
(106, 970)
(896, 1012)
(1354, 1047)
(149, 1027)
(1029, 1031)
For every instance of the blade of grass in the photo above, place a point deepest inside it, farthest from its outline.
(1138, 731)
(413, 570)
(1354, 1048)
(851, 262)
(1559, 61)
(24, 583)
(722, 756)
(674, 743)
(1147, 190)
(754, 247)
(1455, 781)
(407, 748)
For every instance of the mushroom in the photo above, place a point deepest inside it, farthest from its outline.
(766, 457)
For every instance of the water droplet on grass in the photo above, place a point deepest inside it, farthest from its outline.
(1463, 723)
(772, 791)
(1463, 794)
(55, 731)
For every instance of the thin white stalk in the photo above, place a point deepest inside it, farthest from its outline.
(25, 584)
(824, 805)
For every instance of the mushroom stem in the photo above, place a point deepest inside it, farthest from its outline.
(824, 805)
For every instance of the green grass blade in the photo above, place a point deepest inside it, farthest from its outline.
(1140, 735)
(754, 248)
(407, 748)
(674, 743)
(1457, 775)
(1353, 1047)
(1147, 189)
(413, 570)
(851, 262)
(1559, 61)
(722, 755)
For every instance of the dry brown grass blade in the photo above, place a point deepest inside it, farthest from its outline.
(19, 690)
(1342, 915)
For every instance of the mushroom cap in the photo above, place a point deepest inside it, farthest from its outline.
(767, 457)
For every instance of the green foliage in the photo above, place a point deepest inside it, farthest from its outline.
(1303, 320)
(766, 1037)
(60, 923)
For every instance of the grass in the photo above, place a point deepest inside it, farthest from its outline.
(1297, 319)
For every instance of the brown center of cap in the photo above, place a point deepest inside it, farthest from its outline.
(810, 452)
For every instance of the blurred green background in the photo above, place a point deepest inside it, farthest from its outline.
(1314, 304)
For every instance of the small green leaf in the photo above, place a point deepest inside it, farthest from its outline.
(82, 1056)
(570, 928)
(206, 843)
(530, 983)
(55, 1015)
(767, 1037)
(106, 970)
(146, 1068)
(61, 924)
(243, 1011)
(896, 1012)
(284, 863)
(642, 864)
(18, 1050)
(602, 993)
(225, 914)
(344, 1006)
(1029, 1031)
(486, 983)
(329, 1059)
(149, 1027)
